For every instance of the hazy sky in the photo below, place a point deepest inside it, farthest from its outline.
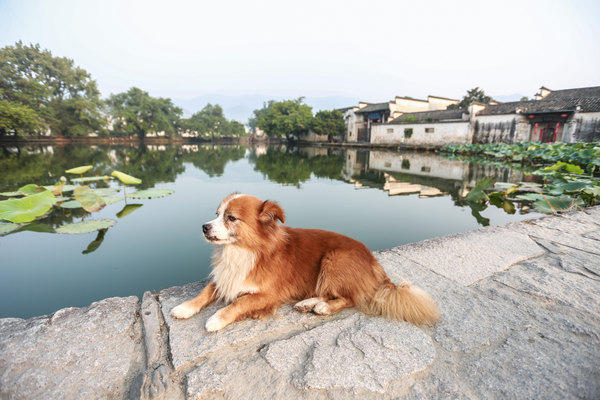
(372, 50)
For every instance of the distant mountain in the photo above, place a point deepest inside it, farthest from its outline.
(508, 97)
(240, 107)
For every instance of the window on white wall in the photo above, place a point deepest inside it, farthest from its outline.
(390, 130)
(429, 130)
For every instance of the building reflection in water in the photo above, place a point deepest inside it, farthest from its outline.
(423, 173)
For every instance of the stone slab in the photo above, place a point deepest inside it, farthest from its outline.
(94, 352)
(469, 319)
(469, 257)
(358, 352)
(189, 341)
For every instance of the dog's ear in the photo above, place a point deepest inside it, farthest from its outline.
(271, 211)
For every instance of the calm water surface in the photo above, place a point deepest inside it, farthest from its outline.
(384, 199)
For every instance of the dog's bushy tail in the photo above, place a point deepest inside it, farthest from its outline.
(403, 302)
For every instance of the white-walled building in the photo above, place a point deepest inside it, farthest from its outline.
(570, 115)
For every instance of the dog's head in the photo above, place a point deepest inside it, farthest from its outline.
(243, 220)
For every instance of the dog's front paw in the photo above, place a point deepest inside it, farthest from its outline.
(183, 311)
(215, 323)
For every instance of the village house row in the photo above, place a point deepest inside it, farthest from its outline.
(570, 115)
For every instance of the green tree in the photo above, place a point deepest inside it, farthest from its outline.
(16, 118)
(135, 112)
(284, 118)
(208, 121)
(48, 90)
(329, 123)
(211, 121)
(235, 129)
(473, 95)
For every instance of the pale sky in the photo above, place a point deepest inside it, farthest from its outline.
(372, 50)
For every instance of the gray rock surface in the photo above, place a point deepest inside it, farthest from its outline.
(76, 353)
(519, 319)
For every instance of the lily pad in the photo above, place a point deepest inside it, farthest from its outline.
(10, 194)
(150, 193)
(31, 189)
(128, 209)
(71, 204)
(28, 208)
(592, 190)
(36, 227)
(112, 200)
(126, 179)
(65, 188)
(530, 196)
(79, 170)
(551, 205)
(90, 201)
(88, 226)
(92, 179)
(93, 246)
(104, 192)
(6, 228)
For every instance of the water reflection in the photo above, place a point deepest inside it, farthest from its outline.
(421, 173)
(413, 196)
(425, 174)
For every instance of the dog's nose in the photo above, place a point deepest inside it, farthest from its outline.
(205, 228)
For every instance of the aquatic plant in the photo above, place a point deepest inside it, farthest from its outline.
(33, 202)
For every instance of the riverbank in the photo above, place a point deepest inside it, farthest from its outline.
(519, 305)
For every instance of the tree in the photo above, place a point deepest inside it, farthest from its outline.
(16, 118)
(235, 129)
(473, 95)
(284, 118)
(208, 121)
(329, 123)
(47, 92)
(136, 112)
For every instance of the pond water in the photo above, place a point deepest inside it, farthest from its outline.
(382, 198)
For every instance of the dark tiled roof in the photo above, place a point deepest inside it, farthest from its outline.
(374, 107)
(593, 91)
(429, 116)
(585, 104)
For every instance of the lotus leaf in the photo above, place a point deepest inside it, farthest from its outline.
(71, 204)
(150, 193)
(592, 190)
(28, 208)
(530, 196)
(36, 227)
(128, 209)
(88, 226)
(65, 188)
(477, 194)
(112, 200)
(551, 205)
(91, 179)
(93, 246)
(90, 201)
(10, 194)
(104, 192)
(126, 179)
(79, 170)
(30, 189)
(6, 228)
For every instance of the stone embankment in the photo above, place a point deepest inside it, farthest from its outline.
(520, 319)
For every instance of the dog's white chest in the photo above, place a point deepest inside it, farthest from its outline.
(231, 265)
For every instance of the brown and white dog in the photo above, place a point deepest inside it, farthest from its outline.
(259, 265)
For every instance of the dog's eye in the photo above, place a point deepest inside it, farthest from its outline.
(231, 218)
